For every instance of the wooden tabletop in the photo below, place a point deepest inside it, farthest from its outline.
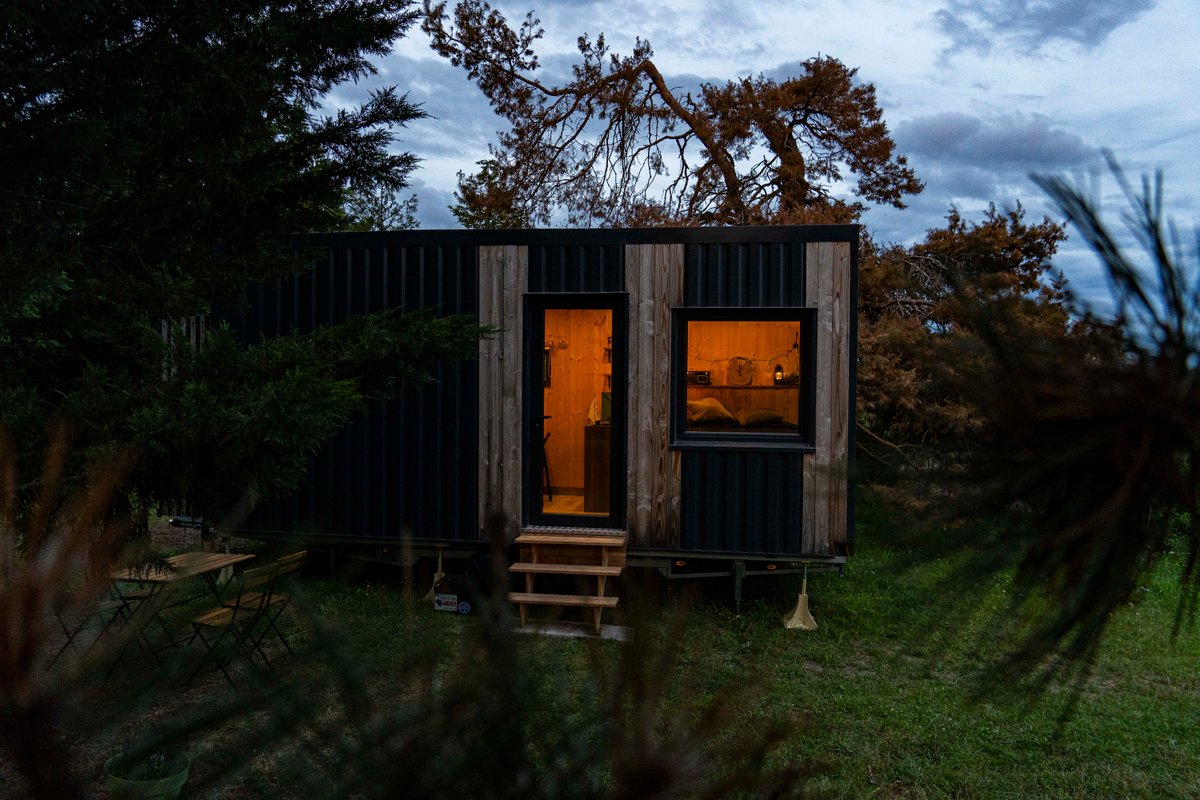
(184, 565)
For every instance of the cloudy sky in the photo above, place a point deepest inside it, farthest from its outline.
(978, 93)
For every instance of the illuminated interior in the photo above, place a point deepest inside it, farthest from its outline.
(743, 376)
(577, 386)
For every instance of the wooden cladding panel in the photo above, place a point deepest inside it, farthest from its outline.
(654, 281)
(824, 482)
(503, 272)
(841, 420)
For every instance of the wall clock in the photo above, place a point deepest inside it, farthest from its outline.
(741, 371)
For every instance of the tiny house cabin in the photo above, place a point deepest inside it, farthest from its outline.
(686, 392)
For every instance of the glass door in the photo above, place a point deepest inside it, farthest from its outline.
(575, 475)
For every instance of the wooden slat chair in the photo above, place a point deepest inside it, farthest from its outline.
(279, 600)
(236, 622)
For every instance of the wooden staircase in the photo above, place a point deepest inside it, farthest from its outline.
(563, 551)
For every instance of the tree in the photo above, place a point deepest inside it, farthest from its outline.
(618, 145)
(914, 332)
(155, 157)
(379, 208)
(485, 202)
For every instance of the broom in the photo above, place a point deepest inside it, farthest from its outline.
(800, 617)
(437, 578)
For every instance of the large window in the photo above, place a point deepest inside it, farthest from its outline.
(743, 377)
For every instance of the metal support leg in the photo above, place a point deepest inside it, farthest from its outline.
(739, 572)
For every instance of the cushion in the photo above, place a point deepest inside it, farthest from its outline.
(759, 417)
(708, 411)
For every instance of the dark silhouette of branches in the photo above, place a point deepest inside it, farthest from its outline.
(617, 144)
(1092, 440)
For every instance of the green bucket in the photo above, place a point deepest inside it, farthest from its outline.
(152, 778)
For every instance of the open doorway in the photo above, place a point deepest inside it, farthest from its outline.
(578, 414)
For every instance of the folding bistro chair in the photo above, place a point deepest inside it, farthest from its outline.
(100, 617)
(235, 622)
(112, 613)
(278, 601)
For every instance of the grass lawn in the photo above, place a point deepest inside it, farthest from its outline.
(882, 699)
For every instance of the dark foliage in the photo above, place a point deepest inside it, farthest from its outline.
(1090, 442)
(155, 155)
(915, 333)
(496, 715)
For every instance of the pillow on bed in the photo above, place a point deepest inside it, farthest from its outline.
(708, 411)
(758, 417)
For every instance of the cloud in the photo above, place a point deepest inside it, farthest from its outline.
(970, 162)
(1023, 141)
(1030, 25)
(433, 205)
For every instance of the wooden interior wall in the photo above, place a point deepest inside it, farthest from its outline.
(827, 267)
(654, 281)
(712, 344)
(503, 274)
(577, 377)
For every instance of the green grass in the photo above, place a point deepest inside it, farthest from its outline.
(891, 698)
(886, 699)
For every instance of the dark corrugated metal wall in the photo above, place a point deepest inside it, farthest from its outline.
(576, 268)
(744, 275)
(734, 501)
(410, 465)
(741, 502)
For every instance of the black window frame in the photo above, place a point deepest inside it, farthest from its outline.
(803, 440)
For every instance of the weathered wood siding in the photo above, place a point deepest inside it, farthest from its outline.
(654, 281)
(824, 482)
(503, 276)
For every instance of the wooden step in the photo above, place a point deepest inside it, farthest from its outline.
(572, 539)
(569, 531)
(567, 569)
(534, 599)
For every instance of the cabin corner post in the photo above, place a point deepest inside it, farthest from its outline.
(654, 283)
(828, 288)
(503, 277)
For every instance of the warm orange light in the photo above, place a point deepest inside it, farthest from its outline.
(680, 563)
(770, 566)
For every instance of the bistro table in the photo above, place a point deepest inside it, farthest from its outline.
(180, 567)
(153, 580)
